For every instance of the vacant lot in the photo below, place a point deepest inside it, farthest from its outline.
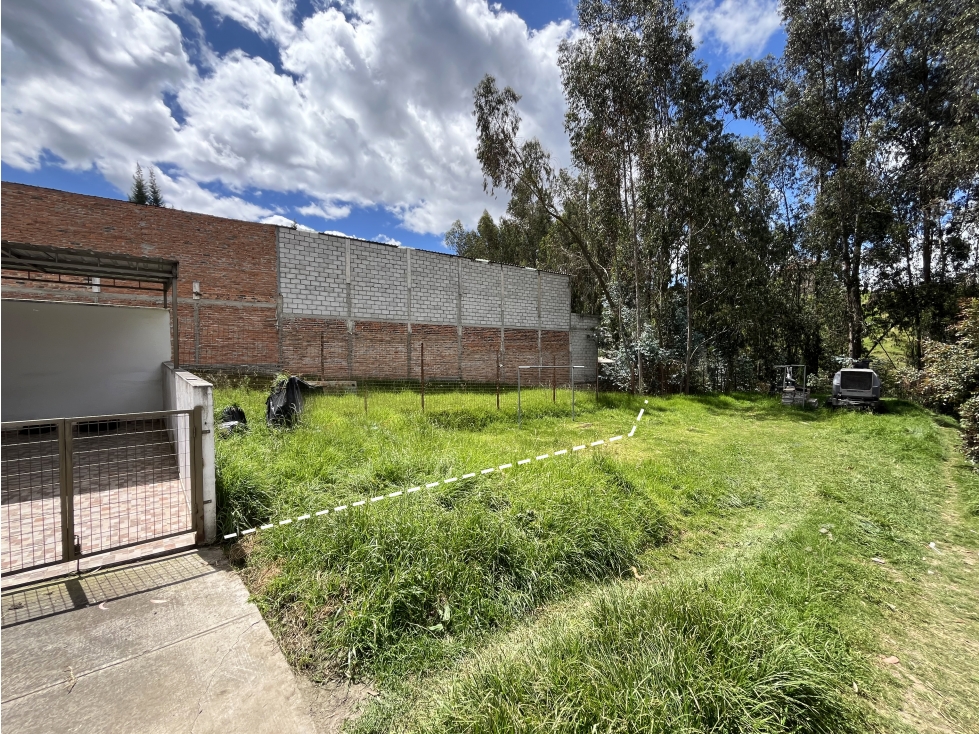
(732, 566)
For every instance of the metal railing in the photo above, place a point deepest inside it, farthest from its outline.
(82, 486)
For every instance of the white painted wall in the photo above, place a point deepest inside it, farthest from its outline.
(63, 360)
(184, 390)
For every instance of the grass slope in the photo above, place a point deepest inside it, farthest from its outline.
(713, 573)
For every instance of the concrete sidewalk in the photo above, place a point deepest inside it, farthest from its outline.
(167, 645)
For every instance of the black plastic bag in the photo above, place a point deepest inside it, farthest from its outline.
(233, 413)
(285, 404)
(232, 420)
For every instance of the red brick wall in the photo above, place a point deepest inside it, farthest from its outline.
(234, 262)
(234, 324)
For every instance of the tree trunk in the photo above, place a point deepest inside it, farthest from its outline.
(686, 371)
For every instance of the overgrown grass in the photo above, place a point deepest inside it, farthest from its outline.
(714, 573)
(409, 582)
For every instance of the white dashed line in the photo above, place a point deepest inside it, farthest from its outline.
(450, 480)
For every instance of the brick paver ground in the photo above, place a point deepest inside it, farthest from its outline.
(127, 489)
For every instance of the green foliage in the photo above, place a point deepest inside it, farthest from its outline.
(143, 193)
(951, 371)
(137, 194)
(969, 420)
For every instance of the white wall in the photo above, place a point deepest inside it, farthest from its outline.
(183, 390)
(62, 360)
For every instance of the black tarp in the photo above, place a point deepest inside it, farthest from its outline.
(285, 403)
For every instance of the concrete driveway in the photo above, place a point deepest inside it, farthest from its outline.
(166, 645)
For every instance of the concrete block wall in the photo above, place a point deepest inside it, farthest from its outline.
(434, 287)
(466, 312)
(584, 345)
(482, 288)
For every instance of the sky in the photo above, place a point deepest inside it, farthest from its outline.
(350, 116)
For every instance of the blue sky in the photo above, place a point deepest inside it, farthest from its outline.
(351, 117)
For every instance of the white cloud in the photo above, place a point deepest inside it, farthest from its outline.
(741, 27)
(374, 108)
(286, 222)
(386, 240)
(326, 210)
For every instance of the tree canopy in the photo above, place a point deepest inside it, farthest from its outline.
(849, 223)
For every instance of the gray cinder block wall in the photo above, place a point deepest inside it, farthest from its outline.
(351, 308)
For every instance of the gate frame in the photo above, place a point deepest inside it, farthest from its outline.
(70, 551)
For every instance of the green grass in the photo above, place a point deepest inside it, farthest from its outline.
(713, 573)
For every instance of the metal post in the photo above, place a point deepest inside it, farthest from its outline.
(322, 358)
(423, 377)
(572, 391)
(597, 365)
(196, 419)
(554, 378)
(176, 325)
(497, 380)
(67, 482)
(519, 414)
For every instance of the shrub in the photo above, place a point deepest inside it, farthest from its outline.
(951, 371)
(969, 413)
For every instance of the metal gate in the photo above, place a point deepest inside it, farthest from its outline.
(74, 487)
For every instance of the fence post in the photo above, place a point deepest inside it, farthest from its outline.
(196, 419)
(519, 414)
(67, 482)
(597, 366)
(423, 377)
(322, 358)
(497, 380)
(554, 378)
(572, 390)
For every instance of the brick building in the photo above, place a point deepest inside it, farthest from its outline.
(264, 298)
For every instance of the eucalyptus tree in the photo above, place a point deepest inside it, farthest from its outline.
(822, 99)
(930, 130)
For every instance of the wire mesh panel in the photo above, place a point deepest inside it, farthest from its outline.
(131, 480)
(30, 486)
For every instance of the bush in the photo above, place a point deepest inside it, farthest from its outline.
(969, 412)
(951, 371)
